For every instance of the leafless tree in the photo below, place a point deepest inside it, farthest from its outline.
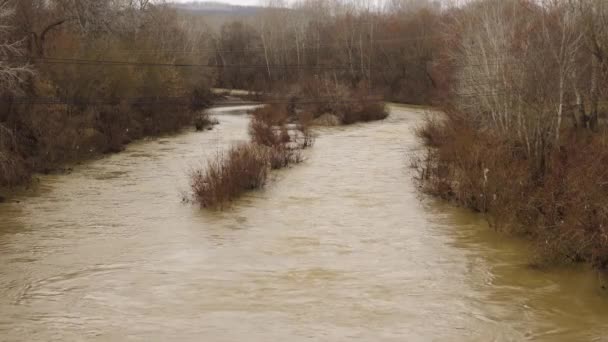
(13, 67)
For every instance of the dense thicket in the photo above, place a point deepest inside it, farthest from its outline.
(525, 87)
(387, 46)
(60, 103)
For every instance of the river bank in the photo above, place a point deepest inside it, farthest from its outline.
(83, 140)
(556, 199)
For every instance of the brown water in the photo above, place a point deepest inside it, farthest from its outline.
(340, 248)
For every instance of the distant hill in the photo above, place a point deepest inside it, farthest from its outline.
(215, 8)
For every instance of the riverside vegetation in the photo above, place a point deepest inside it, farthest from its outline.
(60, 104)
(246, 166)
(278, 134)
(523, 137)
(560, 205)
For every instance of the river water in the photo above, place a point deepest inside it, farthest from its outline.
(339, 248)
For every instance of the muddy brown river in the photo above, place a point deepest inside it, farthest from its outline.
(339, 248)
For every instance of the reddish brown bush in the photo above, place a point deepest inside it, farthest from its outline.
(244, 167)
(364, 111)
(268, 127)
(273, 115)
(432, 132)
(282, 156)
(203, 120)
(306, 138)
(12, 169)
(351, 105)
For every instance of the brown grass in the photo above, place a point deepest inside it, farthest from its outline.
(561, 203)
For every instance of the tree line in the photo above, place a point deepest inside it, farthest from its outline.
(388, 46)
(116, 70)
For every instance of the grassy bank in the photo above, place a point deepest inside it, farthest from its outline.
(558, 200)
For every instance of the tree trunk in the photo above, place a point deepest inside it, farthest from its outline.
(595, 94)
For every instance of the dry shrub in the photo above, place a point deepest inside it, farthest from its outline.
(268, 127)
(113, 123)
(431, 132)
(305, 121)
(571, 201)
(244, 167)
(264, 134)
(559, 201)
(282, 156)
(364, 111)
(203, 121)
(157, 117)
(307, 138)
(322, 97)
(12, 168)
(46, 137)
(273, 115)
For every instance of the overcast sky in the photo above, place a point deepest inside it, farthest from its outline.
(232, 2)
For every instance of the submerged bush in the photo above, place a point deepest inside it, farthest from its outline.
(268, 127)
(283, 156)
(244, 167)
(12, 168)
(203, 121)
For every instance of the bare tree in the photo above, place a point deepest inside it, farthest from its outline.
(594, 22)
(13, 67)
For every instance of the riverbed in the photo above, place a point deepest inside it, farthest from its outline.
(342, 247)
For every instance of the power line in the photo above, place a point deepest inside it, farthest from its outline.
(90, 62)
(492, 62)
(261, 49)
(177, 100)
(189, 100)
(98, 62)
